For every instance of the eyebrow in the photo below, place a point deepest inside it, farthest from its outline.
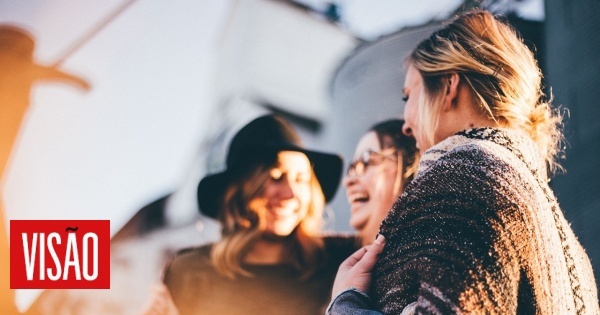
(404, 91)
(287, 169)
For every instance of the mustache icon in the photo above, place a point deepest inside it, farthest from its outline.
(70, 229)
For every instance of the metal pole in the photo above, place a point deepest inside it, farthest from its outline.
(95, 30)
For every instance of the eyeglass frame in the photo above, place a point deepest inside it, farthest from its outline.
(365, 159)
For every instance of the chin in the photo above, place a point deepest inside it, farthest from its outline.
(280, 231)
(357, 225)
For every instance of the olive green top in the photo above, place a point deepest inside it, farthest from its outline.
(197, 288)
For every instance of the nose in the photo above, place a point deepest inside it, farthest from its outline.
(286, 190)
(350, 180)
(406, 130)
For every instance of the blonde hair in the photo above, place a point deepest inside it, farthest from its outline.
(243, 224)
(500, 72)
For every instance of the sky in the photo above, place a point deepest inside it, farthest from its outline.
(369, 19)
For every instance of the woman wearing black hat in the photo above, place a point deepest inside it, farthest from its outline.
(272, 258)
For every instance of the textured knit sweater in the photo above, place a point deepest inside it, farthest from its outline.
(197, 287)
(479, 231)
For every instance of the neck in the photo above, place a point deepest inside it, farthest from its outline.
(267, 251)
(478, 122)
(365, 240)
(463, 115)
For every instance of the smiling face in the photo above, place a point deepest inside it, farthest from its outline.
(287, 193)
(371, 195)
(413, 91)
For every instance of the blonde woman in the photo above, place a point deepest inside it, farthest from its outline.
(478, 231)
(384, 162)
(272, 258)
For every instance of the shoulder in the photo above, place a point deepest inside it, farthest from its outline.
(469, 178)
(341, 241)
(460, 151)
(197, 251)
(191, 268)
(338, 246)
(465, 166)
(464, 179)
(486, 152)
(190, 258)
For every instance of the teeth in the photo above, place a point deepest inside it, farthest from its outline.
(282, 212)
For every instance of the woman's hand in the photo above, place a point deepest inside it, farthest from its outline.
(355, 271)
(161, 302)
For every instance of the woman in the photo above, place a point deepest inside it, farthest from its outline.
(479, 229)
(385, 161)
(272, 258)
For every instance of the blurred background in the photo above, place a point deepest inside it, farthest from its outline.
(171, 82)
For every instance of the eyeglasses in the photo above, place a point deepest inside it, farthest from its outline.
(359, 166)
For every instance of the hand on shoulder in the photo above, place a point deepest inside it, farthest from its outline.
(355, 271)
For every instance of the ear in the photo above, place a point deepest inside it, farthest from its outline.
(451, 91)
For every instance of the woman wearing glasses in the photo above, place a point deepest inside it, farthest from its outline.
(385, 161)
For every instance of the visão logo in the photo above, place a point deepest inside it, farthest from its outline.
(60, 254)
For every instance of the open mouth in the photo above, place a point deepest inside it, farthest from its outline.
(359, 198)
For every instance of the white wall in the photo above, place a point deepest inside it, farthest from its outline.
(104, 153)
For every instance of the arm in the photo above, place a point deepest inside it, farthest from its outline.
(351, 302)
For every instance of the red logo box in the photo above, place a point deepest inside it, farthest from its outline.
(60, 254)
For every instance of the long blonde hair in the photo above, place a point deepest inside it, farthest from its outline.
(500, 72)
(242, 226)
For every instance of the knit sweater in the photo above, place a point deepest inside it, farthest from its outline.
(198, 288)
(479, 231)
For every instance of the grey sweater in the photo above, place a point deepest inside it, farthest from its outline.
(479, 231)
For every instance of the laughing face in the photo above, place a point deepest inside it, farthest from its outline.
(287, 193)
(370, 187)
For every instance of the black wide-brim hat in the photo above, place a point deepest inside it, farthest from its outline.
(255, 143)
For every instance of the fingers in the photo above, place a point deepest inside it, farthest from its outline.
(355, 271)
(355, 257)
(370, 257)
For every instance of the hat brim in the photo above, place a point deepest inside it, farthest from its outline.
(327, 168)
